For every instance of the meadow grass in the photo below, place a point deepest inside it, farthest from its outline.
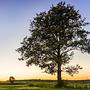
(43, 85)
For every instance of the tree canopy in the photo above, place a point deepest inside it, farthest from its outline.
(55, 35)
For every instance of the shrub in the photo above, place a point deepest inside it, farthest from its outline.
(11, 79)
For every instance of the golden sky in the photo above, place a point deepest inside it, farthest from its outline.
(33, 72)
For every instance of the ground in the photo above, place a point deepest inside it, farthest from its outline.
(43, 85)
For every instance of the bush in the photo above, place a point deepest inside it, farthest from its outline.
(11, 79)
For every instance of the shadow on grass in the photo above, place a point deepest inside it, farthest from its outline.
(72, 86)
(11, 83)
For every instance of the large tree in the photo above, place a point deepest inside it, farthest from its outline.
(54, 35)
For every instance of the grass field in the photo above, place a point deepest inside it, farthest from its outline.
(43, 85)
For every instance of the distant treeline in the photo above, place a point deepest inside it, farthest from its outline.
(39, 80)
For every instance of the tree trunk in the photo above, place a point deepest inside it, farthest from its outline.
(59, 78)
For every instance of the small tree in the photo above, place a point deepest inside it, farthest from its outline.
(11, 79)
(55, 35)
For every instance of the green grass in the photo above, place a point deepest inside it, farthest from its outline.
(40, 85)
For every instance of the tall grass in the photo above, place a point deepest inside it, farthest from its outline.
(43, 85)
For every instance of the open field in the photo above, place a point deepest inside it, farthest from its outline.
(43, 85)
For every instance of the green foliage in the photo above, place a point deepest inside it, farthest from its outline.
(55, 35)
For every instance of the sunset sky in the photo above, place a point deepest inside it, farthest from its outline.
(15, 16)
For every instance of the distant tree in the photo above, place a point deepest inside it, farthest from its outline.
(11, 79)
(55, 35)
